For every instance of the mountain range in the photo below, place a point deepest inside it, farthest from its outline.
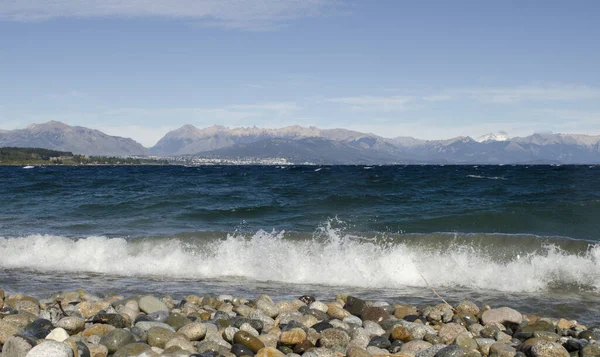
(320, 146)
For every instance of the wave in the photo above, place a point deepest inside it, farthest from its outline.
(486, 177)
(329, 257)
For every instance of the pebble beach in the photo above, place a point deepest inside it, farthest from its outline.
(81, 324)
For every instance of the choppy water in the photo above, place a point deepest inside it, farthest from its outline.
(523, 236)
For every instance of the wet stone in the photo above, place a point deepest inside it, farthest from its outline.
(285, 349)
(395, 346)
(380, 342)
(451, 351)
(591, 350)
(413, 347)
(177, 320)
(355, 306)
(465, 341)
(538, 326)
(319, 315)
(39, 328)
(292, 336)
(431, 351)
(354, 351)
(322, 326)
(586, 335)
(548, 349)
(246, 339)
(307, 299)
(546, 335)
(159, 336)
(466, 307)
(376, 314)
(241, 350)
(116, 339)
(255, 323)
(115, 320)
(194, 331)
(133, 349)
(303, 346)
(502, 350)
(269, 352)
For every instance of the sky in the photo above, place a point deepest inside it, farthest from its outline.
(426, 69)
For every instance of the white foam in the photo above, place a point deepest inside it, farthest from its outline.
(337, 259)
(486, 177)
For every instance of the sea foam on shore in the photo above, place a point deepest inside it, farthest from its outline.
(491, 262)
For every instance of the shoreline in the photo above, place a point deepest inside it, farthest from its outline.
(78, 323)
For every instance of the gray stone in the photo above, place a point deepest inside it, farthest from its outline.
(177, 320)
(373, 328)
(501, 316)
(466, 307)
(451, 351)
(150, 304)
(502, 350)
(354, 351)
(548, 349)
(484, 344)
(17, 346)
(72, 324)
(360, 337)
(268, 307)
(159, 336)
(175, 351)
(448, 332)
(431, 351)
(160, 316)
(147, 325)
(413, 347)
(116, 339)
(7, 330)
(465, 341)
(591, 350)
(334, 337)
(133, 350)
(194, 331)
(51, 349)
(355, 320)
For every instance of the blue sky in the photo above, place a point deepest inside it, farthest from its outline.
(427, 69)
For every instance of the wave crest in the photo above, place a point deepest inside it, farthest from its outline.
(329, 258)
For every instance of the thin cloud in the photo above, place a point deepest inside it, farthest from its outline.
(510, 95)
(375, 103)
(486, 95)
(241, 14)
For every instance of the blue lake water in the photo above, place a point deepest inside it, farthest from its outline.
(523, 236)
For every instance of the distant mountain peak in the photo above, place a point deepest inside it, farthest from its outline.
(52, 124)
(55, 135)
(499, 136)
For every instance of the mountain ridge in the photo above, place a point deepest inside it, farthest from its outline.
(55, 135)
(312, 144)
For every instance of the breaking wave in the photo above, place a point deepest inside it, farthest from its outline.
(329, 257)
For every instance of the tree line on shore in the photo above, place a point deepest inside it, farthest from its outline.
(38, 156)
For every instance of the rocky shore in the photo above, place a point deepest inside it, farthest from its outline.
(79, 324)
